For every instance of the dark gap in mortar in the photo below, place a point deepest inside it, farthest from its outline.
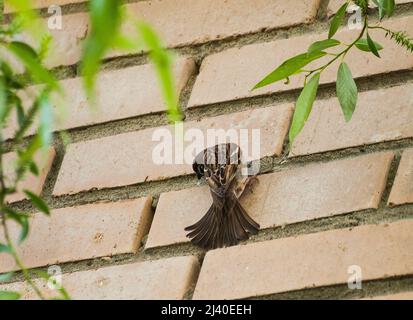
(122, 62)
(342, 221)
(140, 256)
(152, 188)
(50, 181)
(190, 293)
(267, 165)
(370, 288)
(199, 51)
(334, 222)
(187, 90)
(326, 156)
(326, 91)
(141, 122)
(390, 179)
(112, 128)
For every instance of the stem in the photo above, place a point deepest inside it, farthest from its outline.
(379, 27)
(343, 53)
(17, 259)
(10, 244)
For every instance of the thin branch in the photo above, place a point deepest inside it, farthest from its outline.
(6, 232)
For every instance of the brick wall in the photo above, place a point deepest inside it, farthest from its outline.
(343, 195)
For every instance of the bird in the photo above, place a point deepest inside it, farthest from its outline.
(226, 223)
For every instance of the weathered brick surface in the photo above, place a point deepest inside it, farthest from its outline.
(310, 192)
(402, 191)
(44, 161)
(299, 192)
(381, 115)
(183, 22)
(66, 48)
(161, 279)
(122, 93)
(307, 261)
(126, 159)
(217, 84)
(83, 232)
(334, 5)
(43, 4)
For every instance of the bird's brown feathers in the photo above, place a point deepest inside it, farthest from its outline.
(226, 222)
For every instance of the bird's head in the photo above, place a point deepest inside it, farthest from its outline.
(198, 169)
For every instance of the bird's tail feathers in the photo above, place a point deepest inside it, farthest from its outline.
(221, 227)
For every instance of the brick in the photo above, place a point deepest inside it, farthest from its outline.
(66, 47)
(120, 94)
(307, 261)
(43, 4)
(381, 115)
(186, 22)
(394, 296)
(126, 159)
(334, 5)
(165, 279)
(283, 197)
(94, 230)
(402, 190)
(217, 84)
(44, 161)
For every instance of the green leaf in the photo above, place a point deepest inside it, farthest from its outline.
(289, 67)
(24, 47)
(105, 19)
(27, 156)
(372, 46)
(20, 114)
(46, 121)
(9, 295)
(38, 202)
(382, 11)
(386, 7)
(4, 248)
(28, 56)
(6, 276)
(346, 91)
(303, 106)
(337, 20)
(162, 60)
(389, 7)
(33, 168)
(363, 45)
(12, 214)
(3, 100)
(30, 114)
(25, 229)
(44, 46)
(27, 18)
(324, 44)
(22, 219)
(45, 276)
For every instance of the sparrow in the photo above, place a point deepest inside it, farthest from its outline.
(226, 222)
